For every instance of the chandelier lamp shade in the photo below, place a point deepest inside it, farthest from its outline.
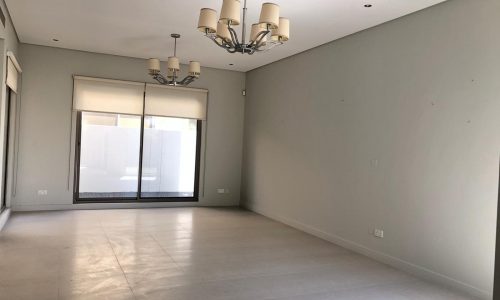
(270, 31)
(173, 69)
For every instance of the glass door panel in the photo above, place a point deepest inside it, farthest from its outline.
(169, 157)
(109, 156)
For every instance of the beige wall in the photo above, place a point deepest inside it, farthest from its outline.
(396, 127)
(46, 121)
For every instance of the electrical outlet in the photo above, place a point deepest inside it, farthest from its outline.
(42, 192)
(222, 191)
(379, 233)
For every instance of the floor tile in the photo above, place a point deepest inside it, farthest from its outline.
(187, 253)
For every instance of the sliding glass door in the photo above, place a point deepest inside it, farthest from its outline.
(136, 141)
(169, 157)
(115, 150)
(108, 155)
(6, 146)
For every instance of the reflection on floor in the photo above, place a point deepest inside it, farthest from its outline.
(186, 253)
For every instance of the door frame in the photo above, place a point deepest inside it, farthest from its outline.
(138, 198)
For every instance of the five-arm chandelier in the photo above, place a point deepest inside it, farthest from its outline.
(268, 33)
(173, 68)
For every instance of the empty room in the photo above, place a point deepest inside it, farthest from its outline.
(249, 150)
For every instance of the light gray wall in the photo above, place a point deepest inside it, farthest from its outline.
(46, 122)
(396, 127)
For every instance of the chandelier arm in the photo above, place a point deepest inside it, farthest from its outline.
(158, 77)
(234, 36)
(216, 42)
(258, 39)
(223, 44)
(227, 45)
(187, 80)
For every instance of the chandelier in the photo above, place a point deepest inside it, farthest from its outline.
(173, 68)
(268, 33)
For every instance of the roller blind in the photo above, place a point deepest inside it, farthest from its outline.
(12, 75)
(175, 102)
(106, 95)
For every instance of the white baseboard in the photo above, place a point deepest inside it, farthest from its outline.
(4, 217)
(395, 262)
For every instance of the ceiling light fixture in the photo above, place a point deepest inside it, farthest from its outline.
(268, 33)
(368, 5)
(173, 68)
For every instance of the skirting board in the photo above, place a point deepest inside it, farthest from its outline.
(395, 262)
(4, 217)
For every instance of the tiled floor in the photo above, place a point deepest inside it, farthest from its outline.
(186, 253)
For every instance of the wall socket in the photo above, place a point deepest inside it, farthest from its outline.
(378, 233)
(42, 192)
(222, 191)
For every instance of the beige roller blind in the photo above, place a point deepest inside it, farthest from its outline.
(106, 95)
(177, 102)
(12, 75)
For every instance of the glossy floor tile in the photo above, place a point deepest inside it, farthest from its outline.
(188, 254)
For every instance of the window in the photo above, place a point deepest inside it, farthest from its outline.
(5, 159)
(109, 155)
(169, 157)
(131, 152)
(13, 71)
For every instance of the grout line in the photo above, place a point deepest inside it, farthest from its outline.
(166, 252)
(118, 261)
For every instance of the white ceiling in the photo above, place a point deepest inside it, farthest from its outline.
(141, 28)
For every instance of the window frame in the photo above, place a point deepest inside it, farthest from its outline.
(5, 146)
(138, 198)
